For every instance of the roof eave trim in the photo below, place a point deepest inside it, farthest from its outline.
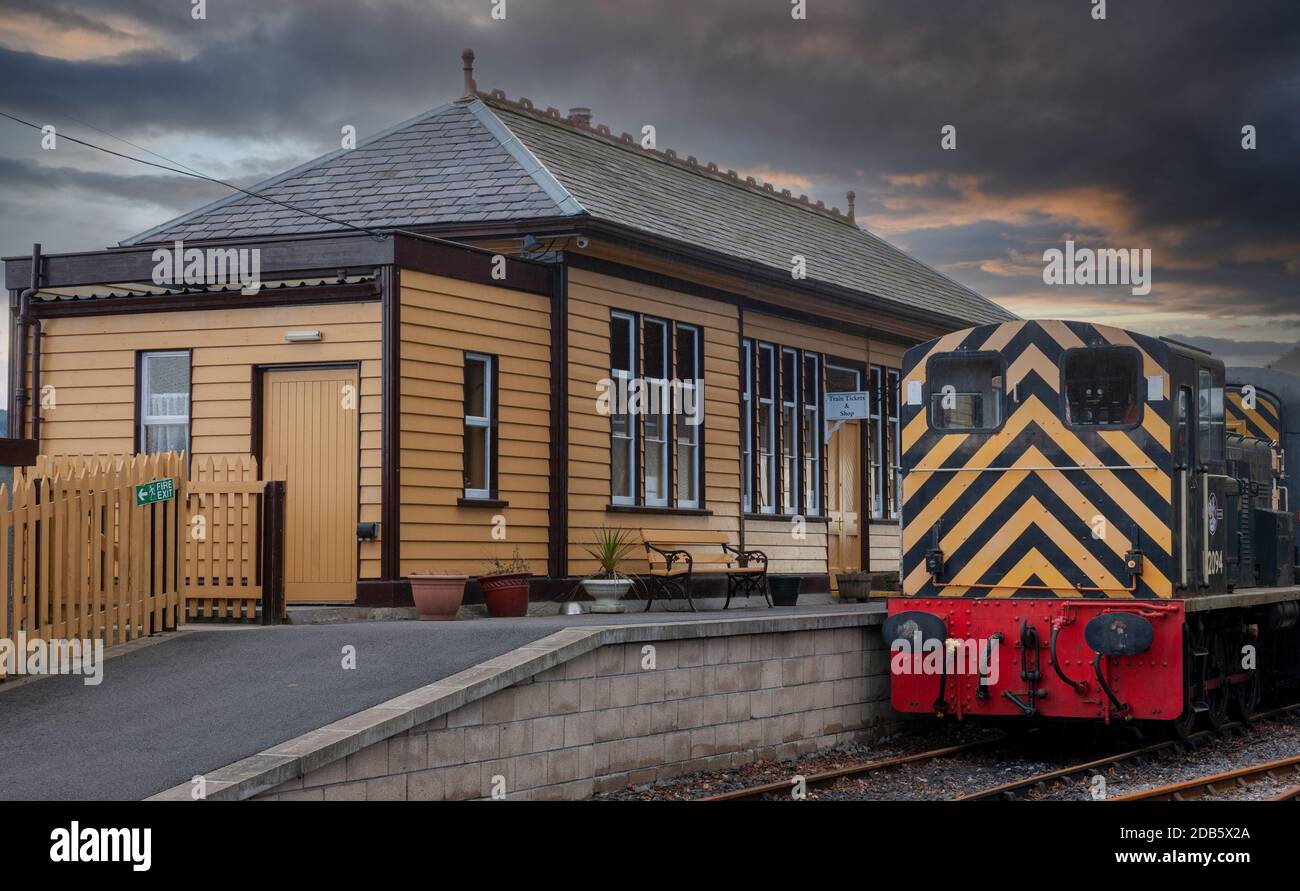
(525, 158)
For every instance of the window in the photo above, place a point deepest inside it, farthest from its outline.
(892, 482)
(812, 427)
(1210, 414)
(165, 401)
(875, 443)
(766, 428)
(965, 393)
(790, 440)
(782, 426)
(622, 423)
(656, 413)
(689, 415)
(1101, 386)
(747, 424)
(655, 410)
(480, 386)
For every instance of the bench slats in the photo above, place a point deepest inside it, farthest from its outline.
(660, 537)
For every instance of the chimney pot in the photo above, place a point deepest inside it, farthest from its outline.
(467, 57)
(580, 116)
(852, 196)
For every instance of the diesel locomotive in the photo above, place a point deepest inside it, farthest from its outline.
(1096, 525)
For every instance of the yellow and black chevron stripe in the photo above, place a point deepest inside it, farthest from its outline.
(1017, 507)
(1264, 421)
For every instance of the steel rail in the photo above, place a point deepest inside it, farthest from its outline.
(785, 787)
(1283, 768)
(1019, 788)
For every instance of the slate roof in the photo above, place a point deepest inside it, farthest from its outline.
(488, 159)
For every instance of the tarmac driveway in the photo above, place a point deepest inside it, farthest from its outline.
(206, 698)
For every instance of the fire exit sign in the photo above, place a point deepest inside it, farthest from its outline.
(152, 493)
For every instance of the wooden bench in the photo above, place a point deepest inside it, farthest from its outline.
(677, 557)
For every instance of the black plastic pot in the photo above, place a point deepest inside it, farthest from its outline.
(784, 589)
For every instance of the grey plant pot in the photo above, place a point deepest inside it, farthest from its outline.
(606, 594)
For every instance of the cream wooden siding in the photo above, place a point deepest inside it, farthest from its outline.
(591, 297)
(90, 361)
(442, 318)
(886, 546)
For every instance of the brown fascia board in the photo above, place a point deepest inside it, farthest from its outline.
(628, 236)
(319, 255)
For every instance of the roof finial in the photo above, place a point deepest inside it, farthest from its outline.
(468, 58)
(852, 197)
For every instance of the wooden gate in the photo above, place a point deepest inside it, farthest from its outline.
(224, 576)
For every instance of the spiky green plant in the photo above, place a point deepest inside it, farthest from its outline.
(612, 548)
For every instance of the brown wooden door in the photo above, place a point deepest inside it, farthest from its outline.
(309, 440)
(843, 529)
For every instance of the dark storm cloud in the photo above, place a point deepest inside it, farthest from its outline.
(1123, 133)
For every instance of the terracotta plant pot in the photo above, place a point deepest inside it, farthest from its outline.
(437, 597)
(506, 594)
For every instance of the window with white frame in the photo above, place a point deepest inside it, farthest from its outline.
(689, 417)
(747, 425)
(781, 398)
(165, 401)
(656, 412)
(812, 453)
(655, 409)
(622, 423)
(884, 482)
(766, 429)
(479, 447)
(790, 439)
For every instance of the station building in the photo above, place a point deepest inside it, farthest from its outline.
(476, 277)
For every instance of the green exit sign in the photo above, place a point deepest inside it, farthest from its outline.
(152, 493)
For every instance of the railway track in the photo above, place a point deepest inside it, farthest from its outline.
(1041, 782)
(1018, 789)
(784, 788)
(1276, 771)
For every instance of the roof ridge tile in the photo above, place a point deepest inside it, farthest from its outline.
(499, 99)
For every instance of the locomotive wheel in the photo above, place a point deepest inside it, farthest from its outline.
(1246, 695)
(1185, 724)
(1219, 698)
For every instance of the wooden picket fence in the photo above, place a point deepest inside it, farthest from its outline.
(223, 578)
(79, 558)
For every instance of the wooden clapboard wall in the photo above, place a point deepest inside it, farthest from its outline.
(90, 361)
(442, 319)
(591, 297)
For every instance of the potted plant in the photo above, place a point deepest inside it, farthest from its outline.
(505, 587)
(437, 596)
(607, 585)
(853, 585)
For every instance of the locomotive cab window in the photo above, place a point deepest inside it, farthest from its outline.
(965, 392)
(1101, 386)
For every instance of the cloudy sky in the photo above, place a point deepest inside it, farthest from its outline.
(1124, 132)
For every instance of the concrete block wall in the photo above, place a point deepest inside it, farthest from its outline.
(606, 720)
